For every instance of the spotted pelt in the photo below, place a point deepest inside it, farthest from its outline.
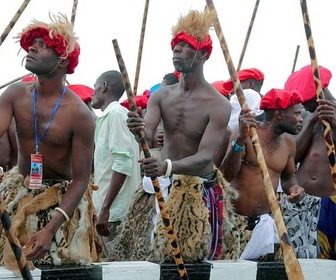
(231, 233)
(75, 242)
(190, 220)
(133, 240)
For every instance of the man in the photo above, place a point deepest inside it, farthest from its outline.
(314, 172)
(116, 168)
(251, 81)
(51, 216)
(282, 111)
(194, 118)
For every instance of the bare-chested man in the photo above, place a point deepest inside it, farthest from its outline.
(55, 146)
(240, 167)
(194, 117)
(318, 211)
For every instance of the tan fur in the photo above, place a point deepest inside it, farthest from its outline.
(134, 238)
(195, 23)
(75, 242)
(231, 236)
(189, 218)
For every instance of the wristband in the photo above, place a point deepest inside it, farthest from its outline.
(169, 168)
(235, 147)
(65, 215)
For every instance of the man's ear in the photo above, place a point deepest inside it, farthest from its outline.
(279, 114)
(64, 63)
(204, 53)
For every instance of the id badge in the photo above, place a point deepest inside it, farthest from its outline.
(36, 171)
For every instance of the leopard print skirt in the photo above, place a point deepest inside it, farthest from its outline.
(75, 242)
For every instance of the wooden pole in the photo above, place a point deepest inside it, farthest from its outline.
(295, 57)
(248, 34)
(319, 91)
(73, 12)
(15, 80)
(141, 41)
(14, 242)
(163, 207)
(292, 265)
(13, 21)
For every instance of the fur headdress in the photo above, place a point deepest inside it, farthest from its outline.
(193, 28)
(58, 34)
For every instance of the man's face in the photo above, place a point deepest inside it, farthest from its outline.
(98, 96)
(183, 57)
(40, 59)
(292, 121)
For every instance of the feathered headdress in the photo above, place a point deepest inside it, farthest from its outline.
(58, 34)
(194, 28)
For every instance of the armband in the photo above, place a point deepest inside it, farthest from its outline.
(65, 215)
(235, 147)
(169, 168)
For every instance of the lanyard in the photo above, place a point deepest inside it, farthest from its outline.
(37, 138)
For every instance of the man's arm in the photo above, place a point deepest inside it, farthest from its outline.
(149, 123)
(222, 148)
(289, 182)
(82, 154)
(303, 138)
(232, 160)
(116, 183)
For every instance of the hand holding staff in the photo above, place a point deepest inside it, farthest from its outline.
(319, 91)
(292, 265)
(163, 207)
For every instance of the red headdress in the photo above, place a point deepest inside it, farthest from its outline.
(303, 81)
(243, 75)
(193, 29)
(218, 85)
(280, 99)
(84, 92)
(58, 35)
(140, 100)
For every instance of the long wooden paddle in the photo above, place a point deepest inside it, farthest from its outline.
(141, 42)
(295, 57)
(163, 206)
(13, 21)
(292, 265)
(319, 91)
(249, 30)
(73, 12)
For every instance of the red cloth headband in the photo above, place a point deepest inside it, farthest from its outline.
(280, 99)
(182, 36)
(58, 43)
